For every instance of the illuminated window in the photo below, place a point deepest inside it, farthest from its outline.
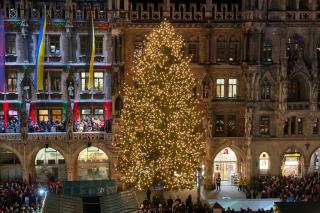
(85, 113)
(54, 44)
(98, 81)
(300, 126)
(12, 82)
(232, 88)
(93, 164)
(220, 88)
(98, 113)
(84, 80)
(264, 163)
(56, 115)
(43, 115)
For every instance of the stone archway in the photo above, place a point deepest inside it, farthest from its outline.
(50, 165)
(233, 165)
(93, 164)
(315, 161)
(292, 162)
(10, 165)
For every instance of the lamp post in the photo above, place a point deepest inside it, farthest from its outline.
(199, 174)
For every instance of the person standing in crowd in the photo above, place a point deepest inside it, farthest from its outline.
(218, 183)
(148, 194)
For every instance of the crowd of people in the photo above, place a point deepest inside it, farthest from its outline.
(47, 126)
(289, 189)
(92, 125)
(12, 126)
(25, 197)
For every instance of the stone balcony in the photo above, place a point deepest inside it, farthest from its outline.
(303, 105)
(57, 137)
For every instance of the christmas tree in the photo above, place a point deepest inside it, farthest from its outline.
(161, 138)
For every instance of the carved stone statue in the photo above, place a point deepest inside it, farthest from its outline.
(70, 90)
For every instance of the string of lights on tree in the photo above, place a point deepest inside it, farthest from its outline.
(162, 138)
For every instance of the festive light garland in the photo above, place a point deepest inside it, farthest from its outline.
(162, 140)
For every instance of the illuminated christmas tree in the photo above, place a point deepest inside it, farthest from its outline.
(161, 138)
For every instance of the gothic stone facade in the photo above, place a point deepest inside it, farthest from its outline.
(256, 63)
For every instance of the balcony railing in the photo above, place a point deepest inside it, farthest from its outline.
(58, 136)
(303, 105)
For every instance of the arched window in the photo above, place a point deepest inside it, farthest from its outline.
(93, 164)
(267, 51)
(221, 49)
(264, 162)
(298, 89)
(265, 90)
(50, 165)
(233, 50)
(295, 46)
(10, 167)
(206, 88)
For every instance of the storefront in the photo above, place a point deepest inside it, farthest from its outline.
(225, 165)
(292, 164)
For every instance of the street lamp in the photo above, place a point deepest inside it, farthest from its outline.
(199, 177)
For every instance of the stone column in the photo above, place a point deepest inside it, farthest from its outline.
(68, 42)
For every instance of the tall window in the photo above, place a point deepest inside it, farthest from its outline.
(45, 81)
(233, 50)
(10, 44)
(138, 45)
(221, 49)
(220, 88)
(300, 126)
(294, 90)
(264, 125)
(99, 45)
(43, 115)
(55, 81)
(232, 91)
(193, 51)
(98, 81)
(267, 51)
(265, 90)
(219, 124)
(231, 125)
(85, 113)
(54, 44)
(315, 128)
(98, 114)
(293, 125)
(84, 80)
(12, 82)
(56, 115)
(83, 44)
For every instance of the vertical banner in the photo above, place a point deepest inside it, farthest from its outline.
(107, 110)
(64, 110)
(5, 112)
(2, 52)
(76, 111)
(38, 73)
(92, 54)
(32, 113)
